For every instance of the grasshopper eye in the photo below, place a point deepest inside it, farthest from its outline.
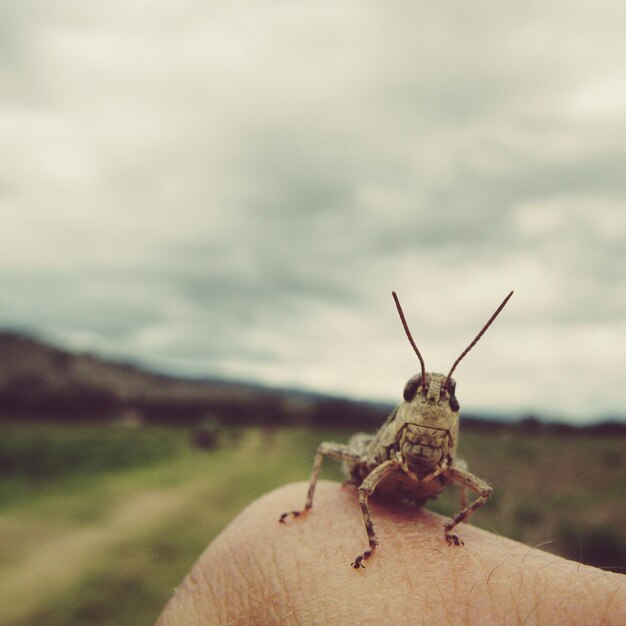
(410, 389)
(451, 389)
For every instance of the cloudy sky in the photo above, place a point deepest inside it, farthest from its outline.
(233, 189)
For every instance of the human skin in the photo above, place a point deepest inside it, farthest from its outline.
(258, 571)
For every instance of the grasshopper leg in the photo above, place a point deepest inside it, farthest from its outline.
(365, 491)
(333, 450)
(479, 486)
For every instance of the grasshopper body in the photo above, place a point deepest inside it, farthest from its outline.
(412, 457)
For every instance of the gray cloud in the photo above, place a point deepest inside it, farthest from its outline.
(235, 191)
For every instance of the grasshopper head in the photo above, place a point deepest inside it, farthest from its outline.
(426, 425)
(430, 422)
(424, 428)
(437, 388)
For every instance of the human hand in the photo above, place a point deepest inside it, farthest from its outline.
(258, 571)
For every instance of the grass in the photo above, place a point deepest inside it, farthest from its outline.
(98, 524)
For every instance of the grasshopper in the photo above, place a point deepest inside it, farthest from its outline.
(412, 457)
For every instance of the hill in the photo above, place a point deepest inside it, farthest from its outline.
(40, 381)
(43, 382)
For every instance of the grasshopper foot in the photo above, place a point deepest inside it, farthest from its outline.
(283, 518)
(358, 562)
(453, 540)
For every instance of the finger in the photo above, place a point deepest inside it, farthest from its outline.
(260, 571)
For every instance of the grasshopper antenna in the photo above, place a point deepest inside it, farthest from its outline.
(408, 334)
(478, 336)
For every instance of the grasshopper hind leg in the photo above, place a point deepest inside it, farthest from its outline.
(332, 450)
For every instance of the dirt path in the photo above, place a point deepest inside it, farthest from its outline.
(57, 562)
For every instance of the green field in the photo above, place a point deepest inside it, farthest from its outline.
(99, 523)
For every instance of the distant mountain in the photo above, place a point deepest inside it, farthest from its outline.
(40, 381)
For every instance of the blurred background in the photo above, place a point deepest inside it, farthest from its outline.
(205, 207)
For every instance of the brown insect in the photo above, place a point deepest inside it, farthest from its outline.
(412, 457)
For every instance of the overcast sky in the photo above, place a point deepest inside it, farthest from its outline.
(233, 189)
